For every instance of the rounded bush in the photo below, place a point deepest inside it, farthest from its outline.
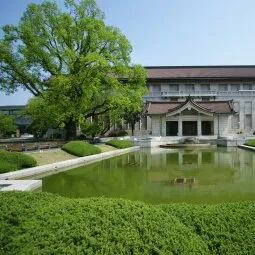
(11, 161)
(6, 166)
(81, 149)
(120, 144)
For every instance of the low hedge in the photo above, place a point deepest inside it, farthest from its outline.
(11, 161)
(81, 149)
(43, 223)
(227, 228)
(120, 144)
(250, 143)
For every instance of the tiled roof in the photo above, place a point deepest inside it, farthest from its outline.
(212, 106)
(188, 72)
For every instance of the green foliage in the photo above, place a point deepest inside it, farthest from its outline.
(116, 133)
(250, 143)
(225, 228)
(41, 223)
(81, 149)
(120, 144)
(72, 62)
(11, 161)
(7, 126)
(91, 129)
(131, 117)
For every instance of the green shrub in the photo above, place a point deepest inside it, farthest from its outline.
(226, 228)
(120, 144)
(11, 161)
(81, 149)
(41, 223)
(250, 143)
(116, 133)
(6, 166)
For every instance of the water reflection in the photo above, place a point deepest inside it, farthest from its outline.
(224, 174)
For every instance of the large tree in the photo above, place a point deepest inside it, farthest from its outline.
(74, 64)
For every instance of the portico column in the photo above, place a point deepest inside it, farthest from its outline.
(180, 127)
(199, 131)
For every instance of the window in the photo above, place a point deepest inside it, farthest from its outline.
(235, 87)
(189, 87)
(223, 87)
(247, 107)
(205, 87)
(156, 87)
(248, 122)
(247, 86)
(173, 87)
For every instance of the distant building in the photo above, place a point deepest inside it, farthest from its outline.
(200, 100)
(20, 118)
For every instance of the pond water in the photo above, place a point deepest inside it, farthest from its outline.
(163, 176)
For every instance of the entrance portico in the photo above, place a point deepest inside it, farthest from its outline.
(190, 118)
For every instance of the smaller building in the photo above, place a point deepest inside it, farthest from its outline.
(191, 118)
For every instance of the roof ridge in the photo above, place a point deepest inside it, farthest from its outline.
(202, 66)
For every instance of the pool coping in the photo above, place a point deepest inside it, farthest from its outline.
(247, 147)
(10, 178)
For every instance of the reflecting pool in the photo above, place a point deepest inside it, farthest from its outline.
(163, 176)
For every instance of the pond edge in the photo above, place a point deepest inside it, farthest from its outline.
(62, 166)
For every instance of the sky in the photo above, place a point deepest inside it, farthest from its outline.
(168, 32)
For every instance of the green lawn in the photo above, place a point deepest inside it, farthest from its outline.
(53, 156)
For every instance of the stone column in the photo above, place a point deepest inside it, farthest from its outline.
(253, 115)
(199, 129)
(160, 125)
(241, 115)
(180, 126)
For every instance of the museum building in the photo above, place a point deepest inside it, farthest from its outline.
(200, 101)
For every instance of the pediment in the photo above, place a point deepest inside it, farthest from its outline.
(189, 108)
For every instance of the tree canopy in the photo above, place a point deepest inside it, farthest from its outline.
(74, 64)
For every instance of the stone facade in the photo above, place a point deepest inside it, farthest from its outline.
(220, 83)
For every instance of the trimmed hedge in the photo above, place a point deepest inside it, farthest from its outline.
(81, 149)
(43, 223)
(250, 143)
(11, 161)
(120, 144)
(227, 228)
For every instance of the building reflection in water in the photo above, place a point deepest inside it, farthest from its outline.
(222, 174)
(163, 165)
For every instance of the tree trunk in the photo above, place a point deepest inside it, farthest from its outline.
(132, 128)
(71, 131)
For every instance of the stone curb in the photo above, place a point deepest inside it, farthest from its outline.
(247, 147)
(63, 165)
(20, 185)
